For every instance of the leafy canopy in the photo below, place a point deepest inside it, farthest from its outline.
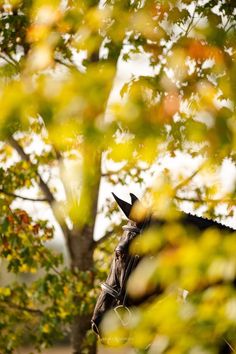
(58, 63)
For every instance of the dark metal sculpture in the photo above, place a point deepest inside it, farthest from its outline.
(113, 291)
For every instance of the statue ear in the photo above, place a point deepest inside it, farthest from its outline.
(138, 212)
(134, 211)
(125, 207)
(133, 198)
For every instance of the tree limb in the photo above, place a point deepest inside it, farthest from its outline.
(59, 61)
(191, 22)
(22, 308)
(45, 190)
(2, 191)
(15, 62)
(43, 186)
(188, 179)
(104, 238)
(230, 27)
(10, 61)
(206, 200)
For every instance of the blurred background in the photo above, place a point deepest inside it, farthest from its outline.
(116, 96)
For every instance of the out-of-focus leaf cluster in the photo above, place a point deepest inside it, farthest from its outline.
(176, 258)
(58, 63)
(42, 311)
(22, 242)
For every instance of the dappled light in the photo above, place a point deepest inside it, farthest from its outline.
(118, 96)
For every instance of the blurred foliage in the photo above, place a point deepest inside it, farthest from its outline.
(181, 259)
(58, 64)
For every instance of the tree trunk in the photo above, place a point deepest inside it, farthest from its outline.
(82, 248)
(80, 241)
(82, 322)
(78, 333)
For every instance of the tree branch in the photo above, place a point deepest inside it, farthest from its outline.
(15, 62)
(43, 186)
(61, 164)
(187, 180)
(191, 22)
(22, 308)
(230, 27)
(198, 199)
(104, 238)
(46, 191)
(9, 61)
(120, 170)
(59, 61)
(206, 200)
(2, 191)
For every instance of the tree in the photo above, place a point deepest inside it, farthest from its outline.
(58, 68)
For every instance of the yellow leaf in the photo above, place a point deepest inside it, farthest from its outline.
(5, 291)
(46, 328)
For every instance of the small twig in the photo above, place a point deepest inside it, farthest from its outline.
(45, 190)
(22, 308)
(15, 62)
(230, 27)
(227, 22)
(230, 346)
(191, 22)
(43, 186)
(104, 238)
(46, 258)
(7, 60)
(116, 172)
(69, 66)
(187, 180)
(205, 200)
(2, 191)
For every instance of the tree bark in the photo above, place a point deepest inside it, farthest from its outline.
(79, 329)
(82, 248)
(80, 242)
